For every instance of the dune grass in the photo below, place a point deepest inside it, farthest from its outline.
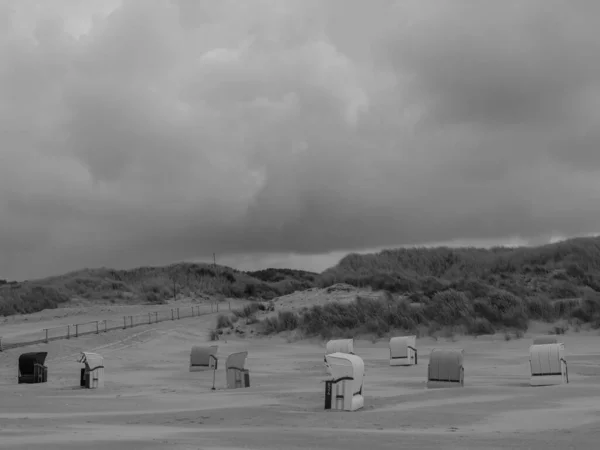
(472, 289)
(448, 310)
(152, 285)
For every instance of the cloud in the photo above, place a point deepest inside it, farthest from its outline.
(147, 131)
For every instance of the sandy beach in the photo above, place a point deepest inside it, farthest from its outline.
(152, 401)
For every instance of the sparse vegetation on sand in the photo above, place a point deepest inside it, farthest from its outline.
(470, 290)
(446, 312)
(154, 285)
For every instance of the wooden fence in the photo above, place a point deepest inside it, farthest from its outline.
(71, 331)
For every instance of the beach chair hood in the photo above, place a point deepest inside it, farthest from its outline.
(400, 345)
(201, 355)
(541, 340)
(340, 345)
(92, 361)
(446, 364)
(28, 360)
(236, 361)
(546, 359)
(345, 366)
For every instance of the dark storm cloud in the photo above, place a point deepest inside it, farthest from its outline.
(147, 131)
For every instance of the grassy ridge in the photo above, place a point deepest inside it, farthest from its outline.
(563, 270)
(477, 291)
(498, 287)
(148, 285)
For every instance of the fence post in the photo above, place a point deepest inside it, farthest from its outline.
(46, 330)
(131, 321)
(149, 317)
(177, 313)
(76, 330)
(172, 314)
(124, 322)
(217, 307)
(105, 328)
(68, 331)
(211, 307)
(156, 317)
(0, 344)
(192, 311)
(229, 305)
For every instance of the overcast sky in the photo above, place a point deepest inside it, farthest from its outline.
(289, 132)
